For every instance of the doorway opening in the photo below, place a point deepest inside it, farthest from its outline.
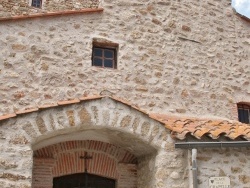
(83, 180)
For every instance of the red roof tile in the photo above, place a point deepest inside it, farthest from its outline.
(47, 14)
(90, 97)
(72, 101)
(26, 110)
(128, 104)
(48, 105)
(7, 116)
(198, 127)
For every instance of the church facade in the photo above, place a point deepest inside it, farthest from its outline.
(135, 94)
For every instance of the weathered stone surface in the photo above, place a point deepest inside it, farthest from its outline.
(245, 179)
(106, 117)
(84, 116)
(41, 125)
(236, 170)
(145, 128)
(224, 162)
(70, 114)
(5, 164)
(136, 123)
(46, 60)
(115, 119)
(18, 139)
(175, 57)
(186, 28)
(19, 47)
(23, 7)
(29, 129)
(12, 177)
(175, 175)
(126, 121)
(95, 111)
(2, 136)
(52, 122)
(19, 94)
(169, 147)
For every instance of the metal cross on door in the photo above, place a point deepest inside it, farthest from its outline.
(86, 157)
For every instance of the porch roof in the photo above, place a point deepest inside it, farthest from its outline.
(179, 126)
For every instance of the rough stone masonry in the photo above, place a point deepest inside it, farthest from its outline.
(187, 58)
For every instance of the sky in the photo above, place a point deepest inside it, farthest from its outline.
(242, 7)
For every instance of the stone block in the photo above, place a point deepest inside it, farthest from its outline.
(84, 116)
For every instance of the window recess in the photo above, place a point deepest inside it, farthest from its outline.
(36, 3)
(104, 53)
(243, 113)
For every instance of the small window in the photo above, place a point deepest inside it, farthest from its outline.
(103, 57)
(36, 3)
(244, 113)
(104, 54)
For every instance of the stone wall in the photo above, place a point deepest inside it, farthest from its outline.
(184, 57)
(175, 57)
(233, 162)
(11, 8)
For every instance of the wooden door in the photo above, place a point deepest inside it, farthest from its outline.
(83, 180)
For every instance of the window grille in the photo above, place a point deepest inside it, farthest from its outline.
(244, 113)
(104, 57)
(104, 53)
(36, 3)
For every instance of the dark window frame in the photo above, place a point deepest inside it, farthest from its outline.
(243, 113)
(36, 3)
(104, 47)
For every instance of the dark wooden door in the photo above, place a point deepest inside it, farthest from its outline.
(79, 181)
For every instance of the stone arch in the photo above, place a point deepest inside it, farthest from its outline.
(105, 120)
(101, 120)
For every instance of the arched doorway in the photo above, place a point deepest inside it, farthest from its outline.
(51, 142)
(124, 143)
(83, 180)
(84, 164)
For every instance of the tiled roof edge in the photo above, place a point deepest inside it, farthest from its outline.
(47, 106)
(70, 102)
(49, 14)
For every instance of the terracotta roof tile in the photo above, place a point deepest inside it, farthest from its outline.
(215, 133)
(73, 101)
(246, 136)
(127, 103)
(200, 132)
(7, 116)
(181, 126)
(44, 106)
(58, 13)
(84, 98)
(27, 110)
(181, 136)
